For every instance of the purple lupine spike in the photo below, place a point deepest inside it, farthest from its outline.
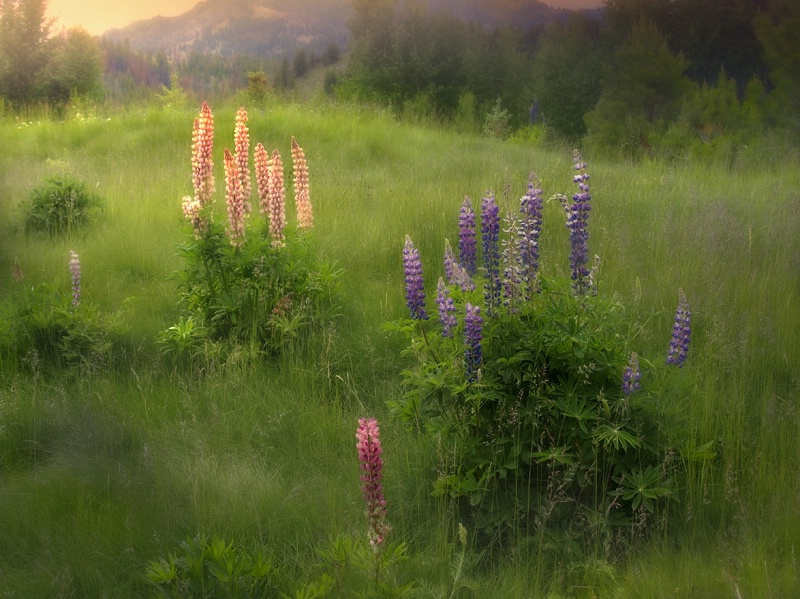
(681, 332)
(473, 334)
(530, 229)
(447, 309)
(415, 284)
(512, 267)
(449, 261)
(462, 279)
(75, 271)
(577, 223)
(631, 376)
(371, 463)
(490, 235)
(467, 238)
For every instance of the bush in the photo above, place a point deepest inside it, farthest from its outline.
(534, 399)
(60, 205)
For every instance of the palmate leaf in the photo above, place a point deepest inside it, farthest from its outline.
(560, 455)
(642, 487)
(615, 437)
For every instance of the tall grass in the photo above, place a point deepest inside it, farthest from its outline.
(102, 474)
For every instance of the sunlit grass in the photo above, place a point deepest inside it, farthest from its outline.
(103, 474)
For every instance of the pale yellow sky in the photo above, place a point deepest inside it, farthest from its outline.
(97, 16)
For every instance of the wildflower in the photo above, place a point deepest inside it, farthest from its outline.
(235, 200)
(530, 228)
(467, 244)
(75, 271)
(462, 279)
(202, 164)
(577, 222)
(512, 267)
(449, 261)
(631, 376)
(490, 235)
(369, 457)
(473, 333)
(447, 309)
(681, 332)
(242, 145)
(193, 212)
(305, 214)
(276, 204)
(415, 284)
(261, 159)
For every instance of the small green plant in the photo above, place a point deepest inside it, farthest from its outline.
(60, 205)
(212, 568)
(497, 123)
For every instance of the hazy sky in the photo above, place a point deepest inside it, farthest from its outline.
(97, 16)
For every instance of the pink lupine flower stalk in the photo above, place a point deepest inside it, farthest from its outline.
(242, 149)
(75, 271)
(235, 200)
(193, 212)
(369, 456)
(261, 159)
(276, 205)
(202, 164)
(305, 214)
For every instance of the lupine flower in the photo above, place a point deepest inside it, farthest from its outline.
(75, 271)
(276, 205)
(242, 145)
(512, 266)
(449, 261)
(462, 279)
(631, 376)
(193, 212)
(261, 159)
(473, 334)
(415, 284)
(681, 332)
(202, 164)
(305, 214)
(467, 244)
(577, 223)
(530, 228)
(235, 200)
(371, 463)
(490, 235)
(447, 309)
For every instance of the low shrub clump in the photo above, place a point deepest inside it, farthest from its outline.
(60, 205)
(247, 290)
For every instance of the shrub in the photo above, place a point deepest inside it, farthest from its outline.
(534, 398)
(59, 205)
(263, 291)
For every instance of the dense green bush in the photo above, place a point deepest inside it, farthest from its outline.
(60, 205)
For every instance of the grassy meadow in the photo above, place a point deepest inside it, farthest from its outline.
(101, 474)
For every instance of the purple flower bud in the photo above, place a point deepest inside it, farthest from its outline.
(462, 279)
(467, 244)
(449, 261)
(473, 334)
(415, 284)
(631, 376)
(490, 235)
(681, 332)
(447, 309)
(577, 223)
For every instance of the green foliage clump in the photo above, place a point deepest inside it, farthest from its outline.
(60, 205)
(497, 123)
(254, 297)
(211, 567)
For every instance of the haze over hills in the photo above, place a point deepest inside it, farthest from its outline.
(275, 27)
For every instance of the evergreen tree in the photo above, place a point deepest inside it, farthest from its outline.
(23, 37)
(642, 92)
